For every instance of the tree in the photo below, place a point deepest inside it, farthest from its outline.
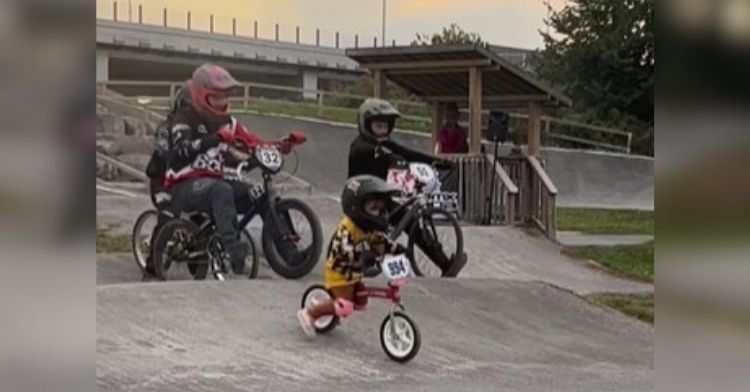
(601, 54)
(452, 34)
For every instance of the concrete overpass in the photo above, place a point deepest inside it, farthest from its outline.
(132, 51)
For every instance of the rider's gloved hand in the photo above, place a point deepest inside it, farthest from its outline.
(372, 271)
(225, 133)
(285, 146)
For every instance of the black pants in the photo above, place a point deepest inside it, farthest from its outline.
(219, 198)
(430, 248)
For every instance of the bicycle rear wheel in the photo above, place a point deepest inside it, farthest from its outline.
(436, 237)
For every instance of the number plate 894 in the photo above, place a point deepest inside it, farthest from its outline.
(395, 266)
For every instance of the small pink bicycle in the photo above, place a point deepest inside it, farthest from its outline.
(399, 335)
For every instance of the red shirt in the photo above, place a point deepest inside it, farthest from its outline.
(452, 140)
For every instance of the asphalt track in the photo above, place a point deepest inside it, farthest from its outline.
(513, 320)
(478, 334)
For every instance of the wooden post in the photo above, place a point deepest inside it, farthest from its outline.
(356, 41)
(320, 103)
(475, 110)
(234, 26)
(394, 43)
(535, 127)
(437, 122)
(188, 20)
(297, 35)
(246, 96)
(255, 29)
(379, 79)
(171, 94)
(276, 31)
(115, 11)
(337, 40)
(140, 13)
(211, 24)
(374, 42)
(165, 17)
(317, 37)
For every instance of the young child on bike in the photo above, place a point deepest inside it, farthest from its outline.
(360, 238)
(373, 152)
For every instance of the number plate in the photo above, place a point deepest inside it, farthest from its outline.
(395, 267)
(270, 157)
(403, 179)
(423, 173)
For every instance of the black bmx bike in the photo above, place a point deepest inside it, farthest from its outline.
(291, 235)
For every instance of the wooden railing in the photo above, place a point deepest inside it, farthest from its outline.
(502, 194)
(483, 200)
(536, 202)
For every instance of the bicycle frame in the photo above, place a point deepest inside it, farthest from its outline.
(391, 292)
(262, 204)
(415, 205)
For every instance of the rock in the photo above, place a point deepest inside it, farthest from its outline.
(106, 172)
(136, 127)
(129, 146)
(110, 125)
(138, 161)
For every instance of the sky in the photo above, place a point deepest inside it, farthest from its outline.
(502, 22)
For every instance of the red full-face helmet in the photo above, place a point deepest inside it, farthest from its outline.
(209, 90)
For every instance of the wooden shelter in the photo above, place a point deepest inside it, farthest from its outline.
(472, 76)
(475, 77)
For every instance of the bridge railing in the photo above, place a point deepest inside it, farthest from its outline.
(190, 20)
(342, 107)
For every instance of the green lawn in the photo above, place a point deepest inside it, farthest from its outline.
(640, 306)
(109, 243)
(632, 261)
(302, 109)
(603, 221)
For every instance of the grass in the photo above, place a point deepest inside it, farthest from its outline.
(632, 261)
(604, 221)
(106, 242)
(343, 115)
(639, 306)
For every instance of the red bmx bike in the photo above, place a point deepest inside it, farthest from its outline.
(399, 335)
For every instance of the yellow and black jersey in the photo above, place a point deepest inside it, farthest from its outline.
(349, 247)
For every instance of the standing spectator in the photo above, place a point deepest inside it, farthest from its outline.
(451, 136)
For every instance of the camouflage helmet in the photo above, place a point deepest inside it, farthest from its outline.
(376, 109)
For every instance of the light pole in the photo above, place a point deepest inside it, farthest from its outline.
(383, 41)
(130, 12)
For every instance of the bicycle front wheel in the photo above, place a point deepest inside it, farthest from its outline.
(435, 242)
(141, 238)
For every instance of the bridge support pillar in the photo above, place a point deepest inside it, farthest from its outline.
(102, 66)
(309, 82)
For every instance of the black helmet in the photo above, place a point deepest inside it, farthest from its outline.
(376, 109)
(360, 189)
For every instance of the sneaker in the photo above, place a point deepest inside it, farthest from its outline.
(237, 253)
(149, 277)
(306, 322)
(456, 266)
